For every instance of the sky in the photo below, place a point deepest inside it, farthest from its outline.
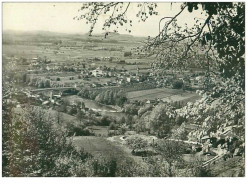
(58, 17)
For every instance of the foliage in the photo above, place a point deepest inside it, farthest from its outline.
(112, 126)
(137, 143)
(161, 119)
(104, 168)
(220, 110)
(222, 30)
(33, 147)
(40, 82)
(80, 115)
(109, 97)
(127, 53)
(73, 110)
(197, 170)
(177, 84)
(105, 121)
(144, 109)
(171, 152)
(73, 130)
(227, 33)
(129, 168)
(116, 12)
(131, 109)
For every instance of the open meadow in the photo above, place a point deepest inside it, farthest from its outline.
(100, 147)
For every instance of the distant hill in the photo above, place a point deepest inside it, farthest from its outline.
(47, 36)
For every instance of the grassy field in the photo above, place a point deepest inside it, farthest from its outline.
(107, 148)
(165, 94)
(98, 146)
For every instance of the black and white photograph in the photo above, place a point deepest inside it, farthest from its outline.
(123, 89)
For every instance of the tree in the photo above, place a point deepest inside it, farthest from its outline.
(73, 110)
(161, 119)
(122, 120)
(127, 53)
(41, 84)
(222, 30)
(47, 83)
(59, 117)
(24, 78)
(177, 84)
(105, 121)
(172, 153)
(79, 115)
(112, 126)
(34, 147)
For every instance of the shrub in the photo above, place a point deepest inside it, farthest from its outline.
(177, 85)
(73, 130)
(127, 53)
(112, 126)
(35, 148)
(137, 143)
(105, 121)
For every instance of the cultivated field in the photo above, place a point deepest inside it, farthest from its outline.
(73, 48)
(169, 95)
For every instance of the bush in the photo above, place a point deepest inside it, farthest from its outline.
(105, 121)
(73, 130)
(177, 85)
(179, 120)
(112, 126)
(137, 143)
(127, 53)
(105, 168)
(73, 111)
(34, 147)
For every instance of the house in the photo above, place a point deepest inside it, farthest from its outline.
(130, 79)
(110, 74)
(150, 101)
(97, 72)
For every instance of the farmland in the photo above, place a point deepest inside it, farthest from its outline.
(67, 48)
(99, 97)
(165, 94)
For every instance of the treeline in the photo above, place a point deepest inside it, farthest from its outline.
(138, 86)
(108, 97)
(37, 82)
(33, 147)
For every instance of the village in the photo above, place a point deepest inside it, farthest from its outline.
(119, 99)
(50, 85)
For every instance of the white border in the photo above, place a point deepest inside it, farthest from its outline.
(118, 186)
